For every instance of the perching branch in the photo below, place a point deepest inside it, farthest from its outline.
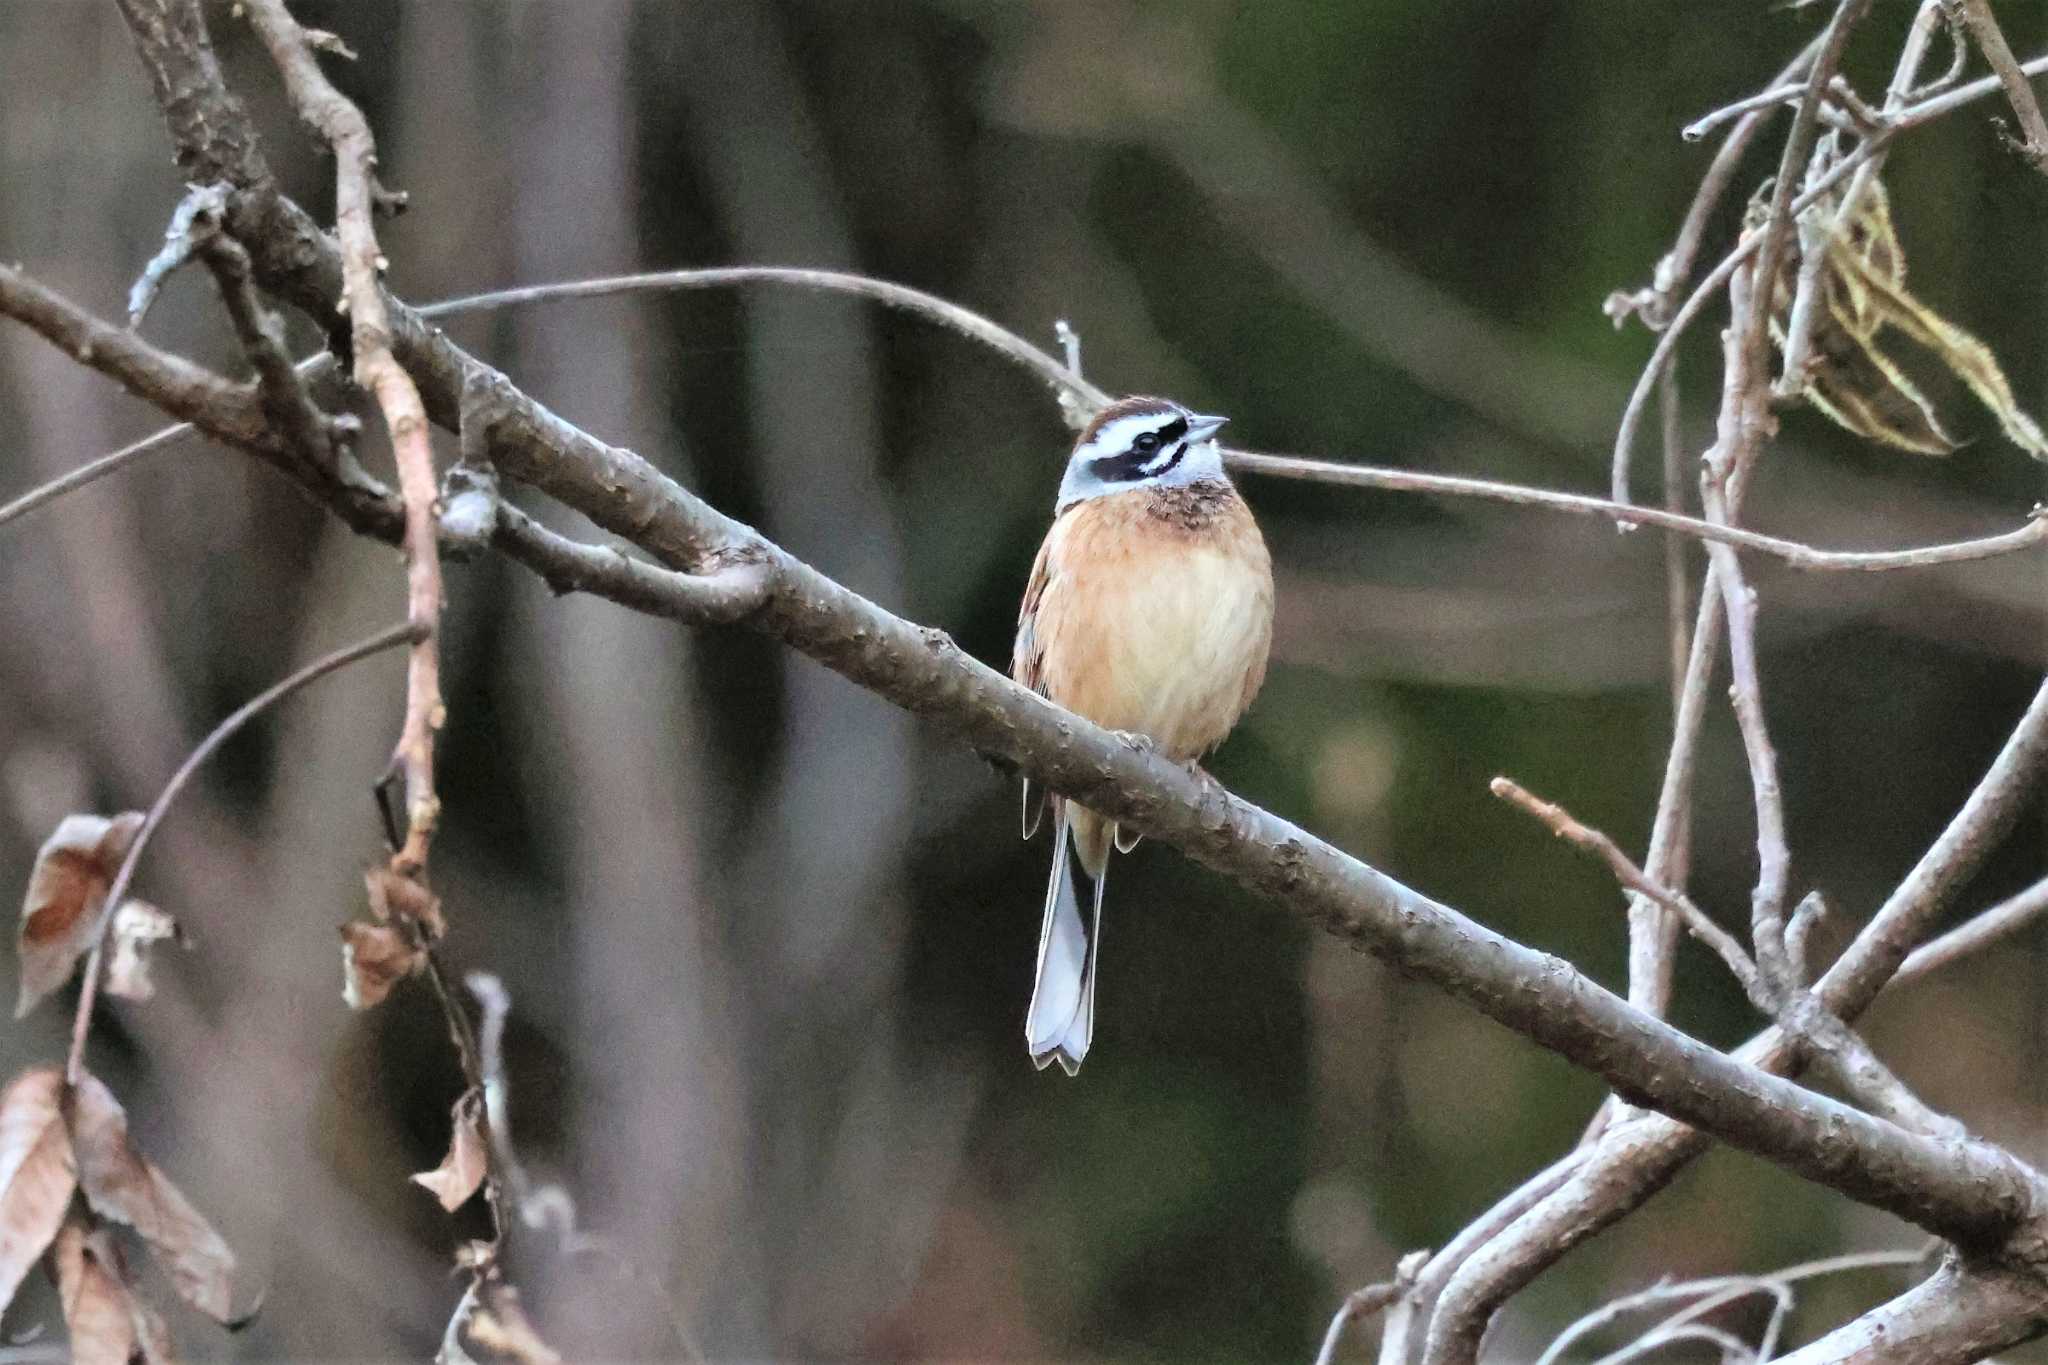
(919, 669)
(922, 672)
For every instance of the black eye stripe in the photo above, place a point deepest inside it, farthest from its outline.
(1173, 430)
(1130, 467)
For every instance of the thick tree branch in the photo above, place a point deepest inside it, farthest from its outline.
(234, 415)
(1957, 1316)
(1966, 1195)
(921, 671)
(1636, 1160)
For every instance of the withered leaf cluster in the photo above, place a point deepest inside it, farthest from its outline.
(1861, 308)
(69, 1178)
(376, 954)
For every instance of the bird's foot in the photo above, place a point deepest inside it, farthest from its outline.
(1131, 739)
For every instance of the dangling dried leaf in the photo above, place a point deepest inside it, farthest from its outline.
(490, 1319)
(35, 1172)
(137, 924)
(1969, 359)
(66, 889)
(108, 1322)
(1851, 378)
(500, 1325)
(123, 1186)
(374, 957)
(1858, 387)
(461, 1172)
(394, 896)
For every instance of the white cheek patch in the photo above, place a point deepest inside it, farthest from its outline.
(1162, 460)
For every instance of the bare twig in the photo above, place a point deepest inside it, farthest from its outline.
(2006, 918)
(94, 471)
(1654, 305)
(1847, 1057)
(1976, 16)
(1650, 944)
(1561, 822)
(1416, 1306)
(1062, 379)
(1792, 553)
(1806, 917)
(1761, 101)
(323, 441)
(1361, 1304)
(1730, 1346)
(356, 197)
(181, 238)
(1814, 230)
(1799, 143)
(1633, 1161)
(1737, 445)
(384, 639)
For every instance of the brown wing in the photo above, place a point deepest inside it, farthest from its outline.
(1027, 663)
(1026, 657)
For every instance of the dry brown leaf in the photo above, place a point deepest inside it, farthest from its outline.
(396, 896)
(66, 888)
(36, 1179)
(137, 924)
(491, 1319)
(125, 1187)
(374, 957)
(462, 1170)
(107, 1322)
(1969, 359)
(500, 1325)
(1851, 378)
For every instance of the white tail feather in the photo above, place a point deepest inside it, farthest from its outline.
(1061, 1021)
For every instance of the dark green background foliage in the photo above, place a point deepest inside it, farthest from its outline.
(769, 941)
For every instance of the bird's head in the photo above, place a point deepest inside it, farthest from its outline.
(1141, 443)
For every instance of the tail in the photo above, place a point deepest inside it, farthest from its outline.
(1062, 1017)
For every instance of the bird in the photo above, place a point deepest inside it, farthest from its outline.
(1149, 611)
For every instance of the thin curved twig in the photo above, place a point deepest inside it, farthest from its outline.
(93, 471)
(1718, 1291)
(388, 638)
(1980, 931)
(1796, 554)
(965, 321)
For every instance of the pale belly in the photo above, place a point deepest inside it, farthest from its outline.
(1173, 654)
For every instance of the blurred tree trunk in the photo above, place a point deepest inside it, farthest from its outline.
(661, 1085)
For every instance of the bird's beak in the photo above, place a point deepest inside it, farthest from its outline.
(1202, 428)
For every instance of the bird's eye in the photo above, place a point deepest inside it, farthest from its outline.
(1147, 443)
